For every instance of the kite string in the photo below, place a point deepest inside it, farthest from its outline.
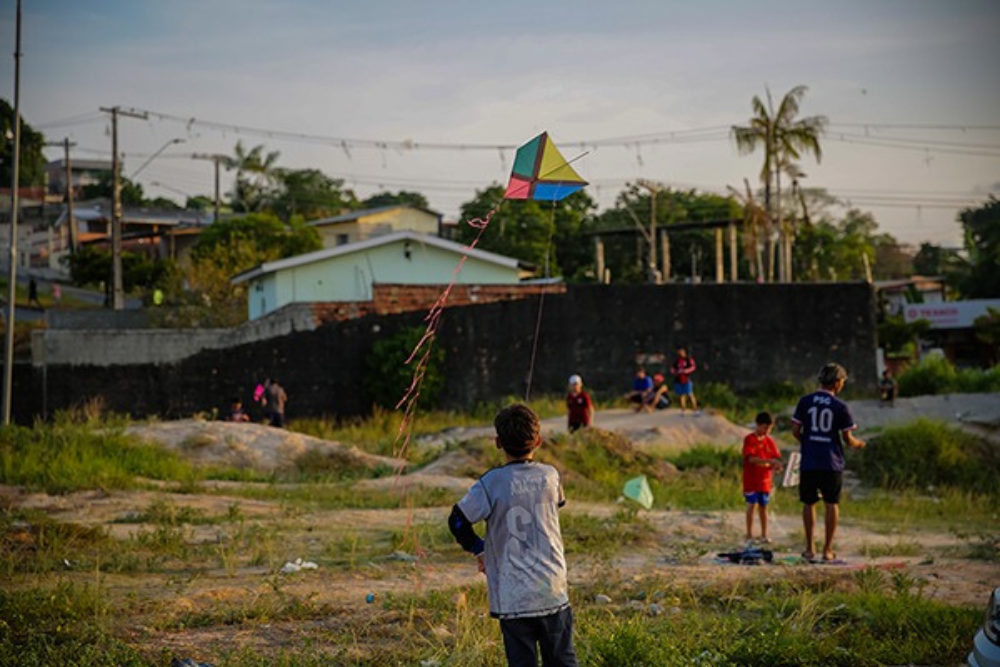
(421, 354)
(541, 306)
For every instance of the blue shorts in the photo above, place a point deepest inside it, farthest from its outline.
(757, 498)
(683, 388)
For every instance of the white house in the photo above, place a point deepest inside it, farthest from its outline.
(349, 272)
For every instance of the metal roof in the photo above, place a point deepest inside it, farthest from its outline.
(350, 248)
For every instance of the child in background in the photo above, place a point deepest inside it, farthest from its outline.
(659, 397)
(682, 369)
(580, 408)
(522, 555)
(760, 458)
(236, 413)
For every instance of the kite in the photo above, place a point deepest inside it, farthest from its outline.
(541, 172)
(638, 490)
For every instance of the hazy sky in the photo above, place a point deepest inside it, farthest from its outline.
(923, 76)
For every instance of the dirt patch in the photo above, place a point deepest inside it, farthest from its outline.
(253, 446)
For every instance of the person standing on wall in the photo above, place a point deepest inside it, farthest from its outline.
(823, 424)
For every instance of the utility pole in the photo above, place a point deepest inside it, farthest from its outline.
(218, 160)
(66, 144)
(655, 276)
(117, 290)
(8, 367)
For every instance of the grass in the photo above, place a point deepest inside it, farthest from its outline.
(377, 433)
(167, 574)
(927, 455)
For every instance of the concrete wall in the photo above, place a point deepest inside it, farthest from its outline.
(744, 335)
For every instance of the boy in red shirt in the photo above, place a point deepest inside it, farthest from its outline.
(760, 457)
(579, 405)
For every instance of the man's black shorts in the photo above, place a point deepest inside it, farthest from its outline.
(814, 483)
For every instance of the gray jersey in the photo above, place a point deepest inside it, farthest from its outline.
(525, 566)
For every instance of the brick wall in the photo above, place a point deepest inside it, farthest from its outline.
(393, 299)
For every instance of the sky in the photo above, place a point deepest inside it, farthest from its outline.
(911, 90)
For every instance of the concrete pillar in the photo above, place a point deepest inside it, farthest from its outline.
(720, 274)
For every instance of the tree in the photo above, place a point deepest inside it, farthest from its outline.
(389, 199)
(32, 160)
(223, 250)
(92, 266)
(199, 203)
(311, 194)
(131, 192)
(690, 250)
(784, 139)
(253, 239)
(982, 243)
(256, 176)
(529, 230)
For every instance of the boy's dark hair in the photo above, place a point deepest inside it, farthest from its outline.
(234, 400)
(764, 418)
(518, 429)
(831, 374)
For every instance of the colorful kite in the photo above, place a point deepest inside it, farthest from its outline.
(542, 173)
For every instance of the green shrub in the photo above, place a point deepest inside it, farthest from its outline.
(927, 453)
(936, 375)
(727, 460)
(388, 376)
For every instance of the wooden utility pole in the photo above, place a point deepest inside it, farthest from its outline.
(8, 367)
(117, 288)
(599, 258)
(733, 260)
(74, 233)
(720, 274)
(655, 275)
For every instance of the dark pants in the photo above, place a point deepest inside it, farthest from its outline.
(553, 634)
(278, 419)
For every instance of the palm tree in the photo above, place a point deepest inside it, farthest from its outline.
(754, 223)
(784, 139)
(256, 174)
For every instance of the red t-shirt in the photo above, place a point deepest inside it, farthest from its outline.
(580, 408)
(757, 478)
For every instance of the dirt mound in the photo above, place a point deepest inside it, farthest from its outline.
(254, 446)
(664, 431)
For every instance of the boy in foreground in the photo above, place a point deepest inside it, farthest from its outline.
(760, 457)
(522, 555)
(822, 423)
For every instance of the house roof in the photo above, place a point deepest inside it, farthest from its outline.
(375, 242)
(363, 213)
(922, 283)
(100, 209)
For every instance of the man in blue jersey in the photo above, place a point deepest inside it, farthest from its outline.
(822, 423)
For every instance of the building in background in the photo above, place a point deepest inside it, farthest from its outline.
(372, 222)
(350, 273)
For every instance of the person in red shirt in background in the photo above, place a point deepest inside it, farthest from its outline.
(760, 457)
(579, 405)
(682, 369)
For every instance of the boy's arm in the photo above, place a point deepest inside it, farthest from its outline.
(461, 528)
